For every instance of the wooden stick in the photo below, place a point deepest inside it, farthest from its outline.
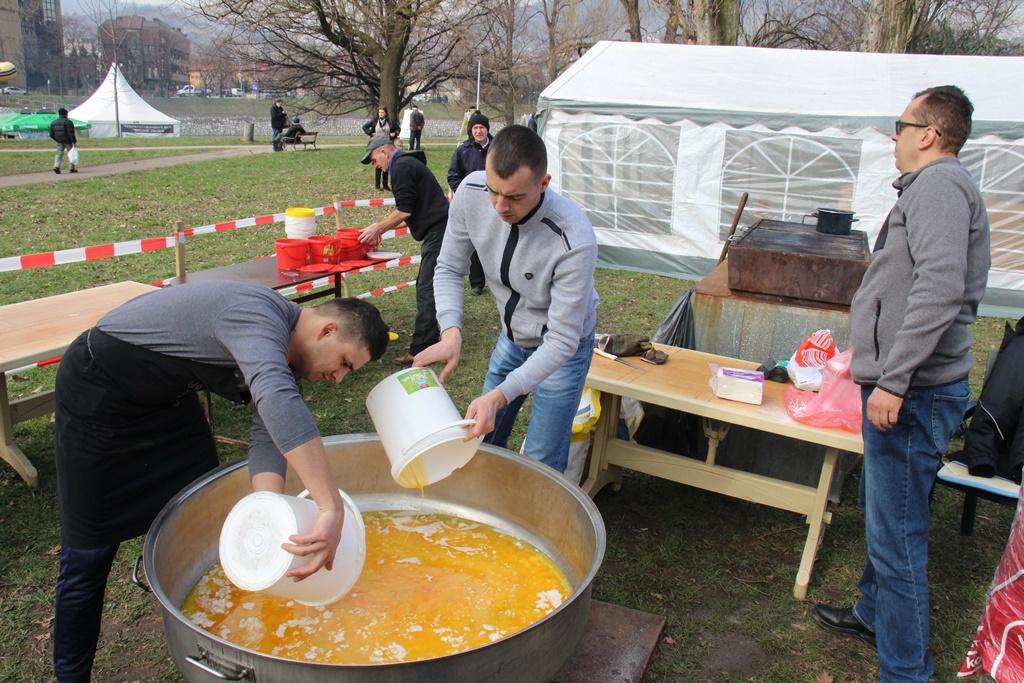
(735, 222)
(337, 211)
(179, 251)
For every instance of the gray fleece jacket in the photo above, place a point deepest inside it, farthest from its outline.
(909, 318)
(540, 270)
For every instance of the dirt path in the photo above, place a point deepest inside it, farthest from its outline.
(140, 164)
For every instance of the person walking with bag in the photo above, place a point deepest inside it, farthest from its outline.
(62, 131)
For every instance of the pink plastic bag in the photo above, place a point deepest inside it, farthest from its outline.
(837, 404)
(996, 649)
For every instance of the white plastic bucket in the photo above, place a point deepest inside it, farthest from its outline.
(299, 222)
(421, 430)
(253, 559)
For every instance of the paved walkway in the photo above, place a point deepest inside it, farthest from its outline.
(218, 152)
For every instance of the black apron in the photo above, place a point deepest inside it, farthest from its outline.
(130, 433)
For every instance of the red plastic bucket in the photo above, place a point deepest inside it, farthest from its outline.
(291, 253)
(323, 249)
(349, 246)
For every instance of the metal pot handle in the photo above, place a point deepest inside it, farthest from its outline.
(200, 662)
(137, 576)
(803, 221)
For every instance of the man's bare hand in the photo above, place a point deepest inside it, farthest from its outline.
(883, 409)
(371, 234)
(320, 544)
(483, 410)
(447, 351)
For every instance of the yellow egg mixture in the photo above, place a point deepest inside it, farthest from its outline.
(432, 585)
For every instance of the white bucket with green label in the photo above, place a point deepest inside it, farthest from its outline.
(421, 430)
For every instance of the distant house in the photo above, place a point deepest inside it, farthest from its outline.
(153, 55)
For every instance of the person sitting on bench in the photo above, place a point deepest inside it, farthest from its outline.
(291, 136)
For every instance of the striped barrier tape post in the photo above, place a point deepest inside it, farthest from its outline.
(97, 252)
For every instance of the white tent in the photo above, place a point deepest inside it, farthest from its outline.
(137, 117)
(657, 142)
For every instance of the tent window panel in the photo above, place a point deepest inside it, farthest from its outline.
(999, 171)
(786, 176)
(621, 174)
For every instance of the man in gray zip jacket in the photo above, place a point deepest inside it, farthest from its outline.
(911, 355)
(538, 252)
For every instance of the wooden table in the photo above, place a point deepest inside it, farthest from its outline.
(37, 330)
(264, 272)
(682, 384)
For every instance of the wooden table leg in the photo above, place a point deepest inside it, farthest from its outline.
(599, 472)
(8, 451)
(816, 521)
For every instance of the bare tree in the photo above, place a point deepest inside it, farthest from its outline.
(892, 24)
(350, 54)
(716, 22)
(113, 42)
(506, 56)
(632, 9)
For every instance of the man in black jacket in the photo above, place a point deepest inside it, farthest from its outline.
(278, 120)
(421, 204)
(469, 156)
(62, 131)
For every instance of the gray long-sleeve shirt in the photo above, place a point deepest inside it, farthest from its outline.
(909, 318)
(229, 324)
(541, 272)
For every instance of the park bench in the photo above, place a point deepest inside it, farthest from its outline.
(305, 139)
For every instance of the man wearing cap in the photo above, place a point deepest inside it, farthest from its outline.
(130, 431)
(468, 157)
(419, 203)
(538, 252)
(293, 132)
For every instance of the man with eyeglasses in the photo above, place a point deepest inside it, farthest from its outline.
(911, 355)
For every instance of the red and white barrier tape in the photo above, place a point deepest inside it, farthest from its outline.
(385, 290)
(38, 364)
(328, 280)
(104, 251)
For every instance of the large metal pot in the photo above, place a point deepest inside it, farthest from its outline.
(498, 487)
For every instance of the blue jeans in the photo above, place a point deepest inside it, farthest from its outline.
(899, 471)
(555, 401)
(275, 143)
(58, 157)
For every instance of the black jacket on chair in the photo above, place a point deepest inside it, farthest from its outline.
(994, 443)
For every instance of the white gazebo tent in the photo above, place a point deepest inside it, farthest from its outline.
(136, 116)
(657, 142)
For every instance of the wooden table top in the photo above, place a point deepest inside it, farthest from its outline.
(682, 384)
(35, 330)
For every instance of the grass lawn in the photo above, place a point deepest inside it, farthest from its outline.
(16, 163)
(720, 570)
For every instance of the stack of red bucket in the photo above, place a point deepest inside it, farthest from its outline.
(349, 246)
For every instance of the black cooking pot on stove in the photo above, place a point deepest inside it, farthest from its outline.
(833, 221)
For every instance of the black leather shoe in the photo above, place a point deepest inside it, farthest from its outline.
(841, 620)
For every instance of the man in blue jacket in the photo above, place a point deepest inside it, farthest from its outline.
(911, 354)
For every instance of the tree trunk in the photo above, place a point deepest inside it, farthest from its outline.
(716, 21)
(632, 8)
(891, 24)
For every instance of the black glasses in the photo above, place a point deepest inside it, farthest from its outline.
(900, 125)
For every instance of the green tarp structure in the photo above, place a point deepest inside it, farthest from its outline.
(17, 123)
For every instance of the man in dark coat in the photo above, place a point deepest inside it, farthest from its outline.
(62, 131)
(278, 121)
(469, 156)
(419, 203)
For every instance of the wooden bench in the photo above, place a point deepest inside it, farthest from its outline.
(305, 139)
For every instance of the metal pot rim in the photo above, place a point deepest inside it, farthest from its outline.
(149, 550)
